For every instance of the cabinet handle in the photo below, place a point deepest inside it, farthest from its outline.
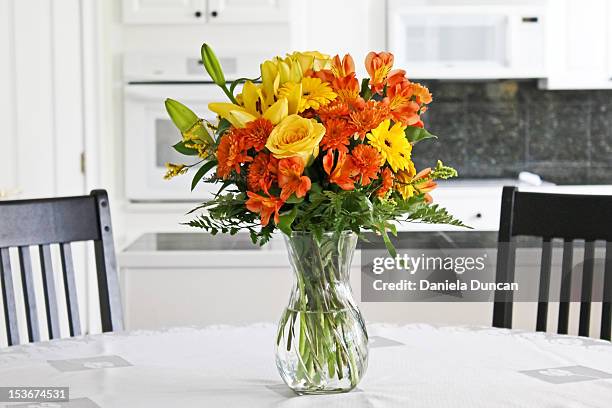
(214, 13)
(198, 14)
(478, 215)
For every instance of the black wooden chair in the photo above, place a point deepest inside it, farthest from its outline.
(566, 216)
(61, 221)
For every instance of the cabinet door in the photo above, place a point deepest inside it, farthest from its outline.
(577, 42)
(248, 11)
(163, 11)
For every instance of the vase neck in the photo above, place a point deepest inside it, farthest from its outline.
(322, 268)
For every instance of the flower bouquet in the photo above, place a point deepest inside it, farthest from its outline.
(308, 149)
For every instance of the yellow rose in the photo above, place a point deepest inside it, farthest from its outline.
(296, 136)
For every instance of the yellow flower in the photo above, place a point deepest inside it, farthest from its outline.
(403, 180)
(296, 136)
(173, 170)
(278, 71)
(392, 144)
(252, 106)
(313, 94)
(311, 60)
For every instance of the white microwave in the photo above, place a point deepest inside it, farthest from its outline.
(468, 39)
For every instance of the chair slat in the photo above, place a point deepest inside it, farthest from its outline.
(606, 307)
(70, 289)
(566, 286)
(544, 289)
(29, 293)
(48, 281)
(8, 294)
(587, 288)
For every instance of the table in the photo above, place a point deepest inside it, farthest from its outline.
(416, 365)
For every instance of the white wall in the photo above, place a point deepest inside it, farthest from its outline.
(41, 98)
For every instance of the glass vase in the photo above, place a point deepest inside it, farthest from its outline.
(322, 342)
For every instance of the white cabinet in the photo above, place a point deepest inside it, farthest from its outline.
(204, 11)
(163, 11)
(248, 11)
(580, 42)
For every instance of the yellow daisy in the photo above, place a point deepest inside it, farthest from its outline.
(392, 144)
(314, 93)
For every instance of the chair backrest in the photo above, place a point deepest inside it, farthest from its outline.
(556, 216)
(62, 221)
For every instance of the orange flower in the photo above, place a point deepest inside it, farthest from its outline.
(337, 134)
(347, 88)
(344, 172)
(366, 161)
(335, 109)
(422, 94)
(256, 133)
(369, 116)
(290, 178)
(231, 153)
(378, 66)
(343, 68)
(403, 108)
(265, 206)
(387, 182)
(262, 172)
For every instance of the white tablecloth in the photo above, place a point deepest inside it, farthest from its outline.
(409, 366)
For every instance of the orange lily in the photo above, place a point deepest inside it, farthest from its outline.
(290, 178)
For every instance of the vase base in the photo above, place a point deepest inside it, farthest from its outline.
(323, 392)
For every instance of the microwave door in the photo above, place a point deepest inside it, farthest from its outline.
(440, 44)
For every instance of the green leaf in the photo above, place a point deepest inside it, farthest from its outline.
(286, 219)
(182, 116)
(223, 126)
(212, 66)
(388, 243)
(416, 134)
(206, 167)
(182, 149)
(294, 199)
(366, 93)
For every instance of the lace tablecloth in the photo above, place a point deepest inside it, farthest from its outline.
(409, 366)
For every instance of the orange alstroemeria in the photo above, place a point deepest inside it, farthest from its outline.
(347, 88)
(344, 173)
(290, 178)
(343, 68)
(378, 66)
(264, 206)
(400, 99)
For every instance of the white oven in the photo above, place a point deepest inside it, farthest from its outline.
(149, 133)
(468, 39)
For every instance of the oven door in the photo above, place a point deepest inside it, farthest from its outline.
(149, 135)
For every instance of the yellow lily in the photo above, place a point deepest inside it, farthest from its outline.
(239, 116)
